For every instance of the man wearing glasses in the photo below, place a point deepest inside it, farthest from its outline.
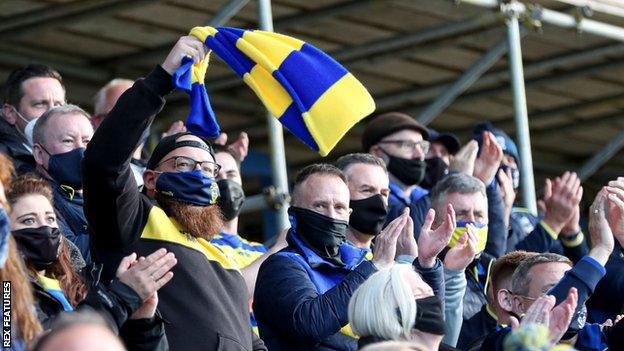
(402, 143)
(206, 301)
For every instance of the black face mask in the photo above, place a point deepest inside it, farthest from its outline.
(430, 316)
(39, 246)
(369, 215)
(407, 171)
(322, 234)
(436, 170)
(231, 198)
(515, 175)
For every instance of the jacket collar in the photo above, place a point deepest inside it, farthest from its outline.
(350, 255)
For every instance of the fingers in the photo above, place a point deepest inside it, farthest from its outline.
(151, 259)
(164, 280)
(126, 263)
(548, 186)
(572, 298)
(221, 139)
(450, 221)
(426, 227)
(162, 266)
(463, 239)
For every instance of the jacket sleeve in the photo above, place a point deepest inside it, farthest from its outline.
(112, 203)
(576, 248)
(256, 343)
(145, 334)
(541, 239)
(455, 281)
(434, 277)
(115, 302)
(584, 276)
(286, 299)
(497, 231)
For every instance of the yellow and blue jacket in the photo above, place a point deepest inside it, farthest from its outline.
(244, 252)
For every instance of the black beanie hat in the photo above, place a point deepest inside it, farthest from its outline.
(170, 143)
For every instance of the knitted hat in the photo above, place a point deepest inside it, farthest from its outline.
(449, 140)
(388, 123)
(170, 143)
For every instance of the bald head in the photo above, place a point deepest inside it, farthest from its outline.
(83, 337)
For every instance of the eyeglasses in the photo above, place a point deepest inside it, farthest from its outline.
(408, 145)
(186, 164)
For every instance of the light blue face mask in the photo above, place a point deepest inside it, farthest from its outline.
(4, 236)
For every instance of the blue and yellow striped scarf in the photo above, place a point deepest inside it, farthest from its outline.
(310, 93)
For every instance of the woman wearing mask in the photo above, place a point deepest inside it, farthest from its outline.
(57, 287)
(396, 304)
(25, 325)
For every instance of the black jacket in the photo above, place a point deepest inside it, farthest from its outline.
(115, 303)
(12, 145)
(206, 302)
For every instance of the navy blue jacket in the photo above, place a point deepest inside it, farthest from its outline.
(12, 144)
(606, 302)
(528, 233)
(68, 206)
(418, 202)
(301, 300)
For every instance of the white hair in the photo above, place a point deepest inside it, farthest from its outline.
(373, 306)
(100, 96)
(394, 346)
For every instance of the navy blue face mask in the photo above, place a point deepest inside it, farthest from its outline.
(194, 187)
(65, 168)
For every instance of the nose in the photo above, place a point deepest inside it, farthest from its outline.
(418, 153)
(330, 212)
(470, 217)
(41, 220)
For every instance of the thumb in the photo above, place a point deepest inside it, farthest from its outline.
(125, 263)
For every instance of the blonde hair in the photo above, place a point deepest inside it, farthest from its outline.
(373, 306)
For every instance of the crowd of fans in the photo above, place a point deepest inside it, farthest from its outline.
(413, 244)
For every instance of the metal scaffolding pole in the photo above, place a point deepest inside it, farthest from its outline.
(520, 107)
(471, 75)
(601, 157)
(276, 137)
(560, 19)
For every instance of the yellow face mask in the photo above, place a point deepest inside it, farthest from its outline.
(482, 233)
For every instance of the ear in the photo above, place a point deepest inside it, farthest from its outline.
(504, 298)
(149, 179)
(375, 150)
(41, 157)
(8, 111)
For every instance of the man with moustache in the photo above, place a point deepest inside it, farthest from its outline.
(206, 302)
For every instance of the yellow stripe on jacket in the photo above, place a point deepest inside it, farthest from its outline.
(161, 227)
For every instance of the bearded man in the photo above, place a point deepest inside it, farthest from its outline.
(206, 302)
